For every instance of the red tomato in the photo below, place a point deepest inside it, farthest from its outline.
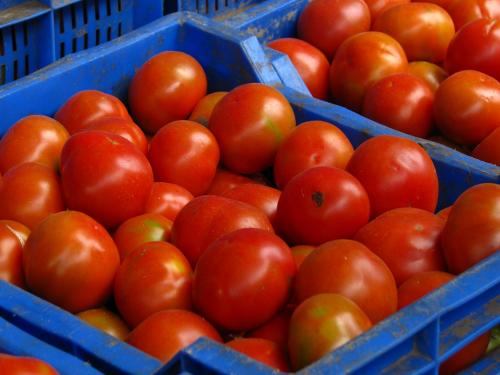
(327, 23)
(396, 172)
(13, 236)
(360, 61)
(483, 37)
(210, 217)
(167, 199)
(12, 365)
(230, 275)
(33, 139)
(300, 252)
(29, 193)
(310, 62)
(407, 240)
(431, 73)
(250, 123)
(262, 350)
(105, 176)
(467, 107)
(402, 102)
(153, 277)
(141, 229)
(377, 7)
(349, 268)
(166, 88)
(466, 356)
(225, 180)
(275, 330)
(106, 321)
(312, 144)
(87, 106)
(465, 11)
(204, 108)
(489, 150)
(424, 30)
(165, 333)
(322, 204)
(444, 213)
(70, 260)
(321, 324)
(184, 153)
(472, 231)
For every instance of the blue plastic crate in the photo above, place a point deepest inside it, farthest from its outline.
(219, 9)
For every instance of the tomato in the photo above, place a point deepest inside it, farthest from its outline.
(488, 149)
(141, 229)
(70, 260)
(396, 172)
(21, 231)
(123, 127)
(153, 277)
(225, 180)
(377, 7)
(349, 268)
(87, 106)
(483, 36)
(13, 365)
(431, 73)
(360, 61)
(228, 279)
(312, 144)
(300, 252)
(402, 102)
(106, 321)
(185, 153)
(167, 199)
(322, 204)
(472, 231)
(323, 323)
(166, 88)
(310, 62)
(466, 356)
(275, 330)
(467, 107)
(327, 23)
(32, 139)
(165, 333)
(210, 217)
(105, 176)
(29, 193)
(424, 30)
(250, 123)
(407, 240)
(13, 236)
(262, 350)
(465, 11)
(204, 108)
(444, 213)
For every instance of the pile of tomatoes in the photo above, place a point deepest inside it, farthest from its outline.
(216, 215)
(429, 69)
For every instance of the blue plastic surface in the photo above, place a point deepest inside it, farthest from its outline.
(219, 9)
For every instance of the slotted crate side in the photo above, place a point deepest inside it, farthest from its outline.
(219, 9)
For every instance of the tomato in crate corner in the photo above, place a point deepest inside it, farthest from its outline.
(106, 321)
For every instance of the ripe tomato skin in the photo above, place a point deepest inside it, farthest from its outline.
(87, 106)
(141, 229)
(105, 176)
(483, 36)
(322, 204)
(488, 149)
(275, 330)
(167, 332)
(228, 279)
(377, 7)
(106, 321)
(416, 27)
(349, 268)
(225, 180)
(444, 213)
(321, 324)
(362, 60)
(300, 252)
(13, 236)
(13, 365)
(311, 144)
(83, 283)
(185, 153)
(327, 23)
(465, 11)
(165, 89)
(204, 108)
(262, 350)
(402, 102)
(431, 73)
(396, 172)
(29, 193)
(153, 277)
(32, 139)
(406, 239)
(249, 115)
(311, 64)
(167, 199)
(466, 356)
(472, 231)
(467, 107)
(210, 217)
